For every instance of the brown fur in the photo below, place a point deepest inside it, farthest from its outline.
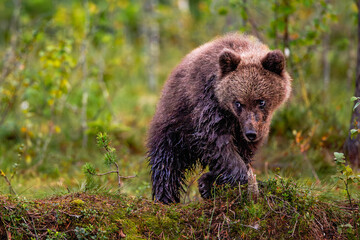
(216, 107)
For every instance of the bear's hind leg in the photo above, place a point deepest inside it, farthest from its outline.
(168, 167)
(166, 182)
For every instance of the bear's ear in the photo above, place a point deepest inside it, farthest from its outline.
(228, 61)
(274, 61)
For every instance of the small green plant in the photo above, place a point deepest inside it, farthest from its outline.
(345, 174)
(53, 234)
(104, 142)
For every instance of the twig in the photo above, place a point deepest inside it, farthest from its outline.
(102, 174)
(32, 221)
(322, 227)
(119, 178)
(71, 215)
(12, 191)
(249, 226)
(293, 231)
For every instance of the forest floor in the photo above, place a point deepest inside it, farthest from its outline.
(283, 210)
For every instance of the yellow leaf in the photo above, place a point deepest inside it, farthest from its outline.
(28, 159)
(93, 8)
(57, 129)
(51, 102)
(348, 171)
(56, 63)
(2, 173)
(64, 84)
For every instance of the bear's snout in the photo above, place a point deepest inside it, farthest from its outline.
(250, 135)
(251, 127)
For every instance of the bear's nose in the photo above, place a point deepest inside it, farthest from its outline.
(251, 135)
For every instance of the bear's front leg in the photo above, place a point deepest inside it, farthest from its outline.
(225, 168)
(205, 184)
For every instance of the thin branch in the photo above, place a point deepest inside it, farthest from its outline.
(293, 231)
(249, 226)
(119, 178)
(102, 174)
(12, 191)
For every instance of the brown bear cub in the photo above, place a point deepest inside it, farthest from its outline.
(215, 108)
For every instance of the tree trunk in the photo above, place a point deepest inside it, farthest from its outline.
(325, 60)
(351, 146)
(84, 84)
(286, 28)
(152, 42)
(276, 19)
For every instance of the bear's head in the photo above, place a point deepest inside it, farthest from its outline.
(252, 89)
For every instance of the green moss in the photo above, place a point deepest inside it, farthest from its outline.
(255, 210)
(130, 229)
(162, 225)
(77, 203)
(284, 210)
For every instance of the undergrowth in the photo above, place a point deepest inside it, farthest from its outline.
(285, 209)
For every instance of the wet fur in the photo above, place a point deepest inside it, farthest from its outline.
(195, 122)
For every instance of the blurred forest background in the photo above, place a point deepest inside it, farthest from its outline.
(72, 68)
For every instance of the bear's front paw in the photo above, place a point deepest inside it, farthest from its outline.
(244, 178)
(205, 184)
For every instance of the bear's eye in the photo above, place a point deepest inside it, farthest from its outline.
(262, 104)
(238, 106)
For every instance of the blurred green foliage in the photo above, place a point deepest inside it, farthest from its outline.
(70, 69)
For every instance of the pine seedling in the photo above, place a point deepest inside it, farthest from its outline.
(110, 159)
(346, 174)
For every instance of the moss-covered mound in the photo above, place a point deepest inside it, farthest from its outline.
(283, 211)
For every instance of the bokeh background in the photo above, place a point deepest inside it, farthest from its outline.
(70, 69)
